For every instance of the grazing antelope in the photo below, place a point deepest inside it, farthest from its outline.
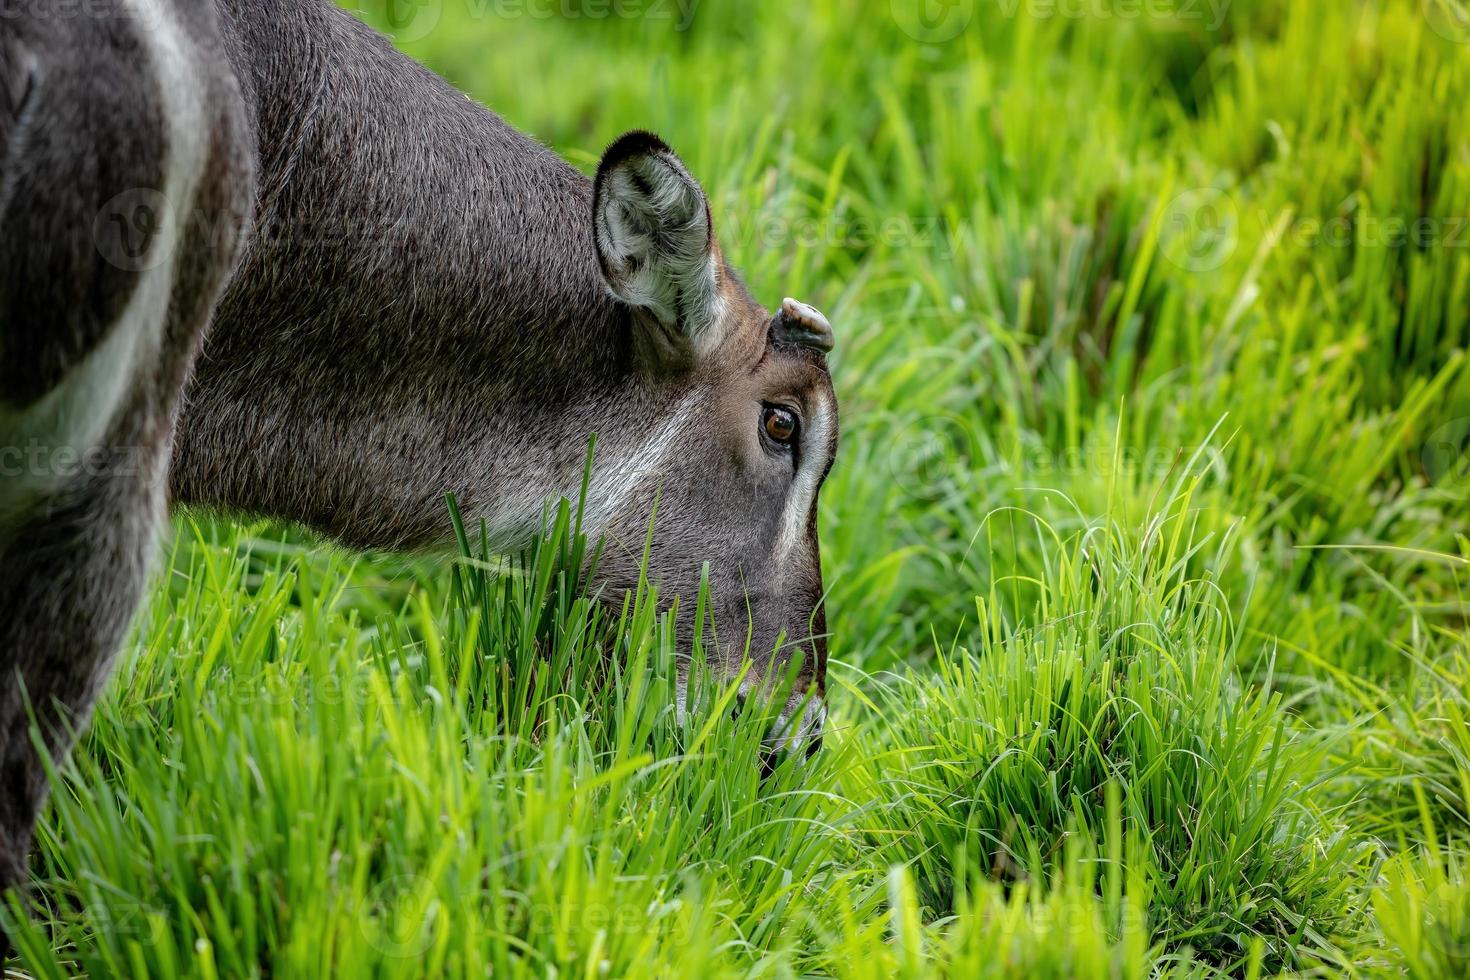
(252, 258)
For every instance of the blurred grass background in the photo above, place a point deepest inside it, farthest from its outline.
(1147, 545)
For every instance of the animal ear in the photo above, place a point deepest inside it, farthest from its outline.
(655, 242)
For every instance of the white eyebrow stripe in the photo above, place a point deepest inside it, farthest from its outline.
(815, 448)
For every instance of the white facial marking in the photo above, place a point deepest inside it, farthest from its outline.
(813, 452)
(73, 418)
(617, 472)
(619, 477)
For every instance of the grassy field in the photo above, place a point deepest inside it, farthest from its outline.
(1147, 547)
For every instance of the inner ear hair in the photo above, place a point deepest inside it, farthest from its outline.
(654, 237)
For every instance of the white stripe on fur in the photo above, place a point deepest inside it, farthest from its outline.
(616, 479)
(814, 448)
(517, 519)
(74, 416)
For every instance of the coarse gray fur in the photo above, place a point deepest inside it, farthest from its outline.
(255, 259)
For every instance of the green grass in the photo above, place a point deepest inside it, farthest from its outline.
(1147, 550)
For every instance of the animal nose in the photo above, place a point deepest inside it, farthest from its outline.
(799, 730)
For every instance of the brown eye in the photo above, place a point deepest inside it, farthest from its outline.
(780, 424)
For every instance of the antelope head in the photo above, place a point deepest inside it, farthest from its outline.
(741, 433)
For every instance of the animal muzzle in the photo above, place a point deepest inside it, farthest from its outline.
(799, 728)
(796, 732)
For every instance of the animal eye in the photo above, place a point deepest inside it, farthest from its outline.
(779, 423)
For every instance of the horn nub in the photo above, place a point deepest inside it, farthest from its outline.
(801, 325)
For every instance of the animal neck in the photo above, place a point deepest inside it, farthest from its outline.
(419, 310)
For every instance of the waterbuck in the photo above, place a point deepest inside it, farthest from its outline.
(253, 258)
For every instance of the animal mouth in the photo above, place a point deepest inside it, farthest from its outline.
(798, 732)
